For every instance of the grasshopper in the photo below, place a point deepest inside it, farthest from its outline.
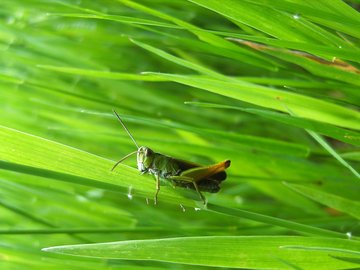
(179, 172)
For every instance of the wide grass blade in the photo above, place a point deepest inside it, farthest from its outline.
(236, 252)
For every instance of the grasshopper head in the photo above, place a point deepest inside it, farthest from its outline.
(144, 158)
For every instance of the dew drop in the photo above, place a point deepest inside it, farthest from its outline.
(239, 200)
(197, 209)
(296, 16)
(182, 208)
(129, 195)
(349, 235)
(80, 198)
(95, 193)
(10, 20)
(19, 14)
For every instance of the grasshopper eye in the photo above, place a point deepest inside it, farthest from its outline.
(148, 152)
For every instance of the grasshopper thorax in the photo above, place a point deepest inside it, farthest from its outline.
(144, 158)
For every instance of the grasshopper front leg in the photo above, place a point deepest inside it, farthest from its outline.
(189, 180)
(157, 186)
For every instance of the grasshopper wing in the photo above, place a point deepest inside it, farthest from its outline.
(218, 176)
(207, 178)
(204, 172)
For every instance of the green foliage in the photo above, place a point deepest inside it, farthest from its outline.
(270, 85)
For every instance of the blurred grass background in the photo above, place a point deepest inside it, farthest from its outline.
(270, 85)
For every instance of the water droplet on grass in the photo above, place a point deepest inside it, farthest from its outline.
(95, 193)
(239, 199)
(81, 198)
(129, 195)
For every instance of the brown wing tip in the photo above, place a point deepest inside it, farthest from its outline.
(227, 163)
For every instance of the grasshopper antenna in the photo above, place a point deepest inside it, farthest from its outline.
(121, 160)
(127, 131)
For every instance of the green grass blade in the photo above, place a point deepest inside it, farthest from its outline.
(331, 200)
(247, 55)
(303, 106)
(324, 144)
(94, 171)
(235, 252)
(121, 19)
(328, 148)
(99, 73)
(33, 155)
(275, 221)
(344, 135)
(278, 24)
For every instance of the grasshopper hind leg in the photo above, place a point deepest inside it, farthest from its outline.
(202, 197)
(190, 181)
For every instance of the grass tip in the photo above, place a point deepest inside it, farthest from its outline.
(47, 249)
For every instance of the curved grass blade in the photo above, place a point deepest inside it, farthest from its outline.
(334, 201)
(30, 154)
(305, 229)
(303, 106)
(248, 56)
(279, 24)
(252, 252)
(345, 135)
(327, 147)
